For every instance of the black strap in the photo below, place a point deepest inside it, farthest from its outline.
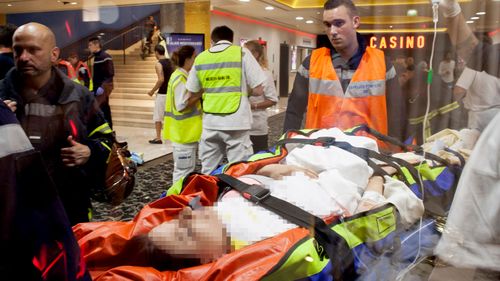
(385, 138)
(363, 153)
(341, 257)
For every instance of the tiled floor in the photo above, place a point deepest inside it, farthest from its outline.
(137, 138)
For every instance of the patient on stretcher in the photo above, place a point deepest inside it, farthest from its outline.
(323, 181)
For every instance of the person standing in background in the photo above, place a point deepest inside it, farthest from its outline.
(183, 119)
(60, 118)
(149, 28)
(259, 131)
(82, 71)
(103, 71)
(447, 70)
(220, 77)
(348, 84)
(164, 69)
(6, 55)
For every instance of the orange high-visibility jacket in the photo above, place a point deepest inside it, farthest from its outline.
(69, 69)
(364, 101)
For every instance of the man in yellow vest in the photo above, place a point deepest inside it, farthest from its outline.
(220, 77)
(349, 84)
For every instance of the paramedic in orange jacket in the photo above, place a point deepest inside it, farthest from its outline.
(349, 84)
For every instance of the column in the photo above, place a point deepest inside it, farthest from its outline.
(197, 19)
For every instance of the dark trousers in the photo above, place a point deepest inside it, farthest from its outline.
(259, 143)
(103, 102)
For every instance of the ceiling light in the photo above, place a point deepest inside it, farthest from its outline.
(309, 21)
(269, 8)
(474, 18)
(470, 21)
(299, 18)
(73, 3)
(244, 0)
(481, 13)
(9, 5)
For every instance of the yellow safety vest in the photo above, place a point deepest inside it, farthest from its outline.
(180, 126)
(220, 77)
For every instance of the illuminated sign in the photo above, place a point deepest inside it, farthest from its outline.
(398, 42)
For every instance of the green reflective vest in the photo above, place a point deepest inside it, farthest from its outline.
(180, 126)
(220, 77)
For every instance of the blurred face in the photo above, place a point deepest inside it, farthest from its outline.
(93, 47)
(188, 63)
(34, 55)
(340, 27)
(73, 60)
(194, 234)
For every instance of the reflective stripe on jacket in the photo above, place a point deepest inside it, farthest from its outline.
(220, 77)
(364, 101)
(180, 126)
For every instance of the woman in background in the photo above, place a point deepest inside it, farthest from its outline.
(259, 131)
(182, 123)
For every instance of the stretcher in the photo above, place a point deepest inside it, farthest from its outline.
(372, 246)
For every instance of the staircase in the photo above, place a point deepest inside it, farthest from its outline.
(130, 104)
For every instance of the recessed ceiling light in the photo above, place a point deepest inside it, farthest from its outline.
(9, 5)
(269, 8)
(299, 18)
(470, 21)
(244, 0)
(309, 21)
(481, 13)
(73, 3)
(474, 18)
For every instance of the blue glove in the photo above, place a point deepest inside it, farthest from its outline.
(99, 91)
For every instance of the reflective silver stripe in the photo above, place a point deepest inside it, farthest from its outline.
(222, 90)
(366, 88)
(13, 140)
(303, 71)
(177, 78)
(390, 74)
(325, 87)
(101, 61)
(345, 74)
(218, 65)
(43, 110)
(183, 116)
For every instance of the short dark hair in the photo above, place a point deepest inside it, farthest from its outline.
(180, 55)
(332, 4)
(160, 49)
(6, 33)
(222, 33)
(95, 40)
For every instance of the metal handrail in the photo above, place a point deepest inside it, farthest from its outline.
(122, 35)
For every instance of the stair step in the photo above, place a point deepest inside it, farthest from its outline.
(135, 69)
(139, 115)
(129, 90)
(131, 96)
(121, 80)
(136, 123)
(138, 84)
(135, 75)
(132, 105)
(134, 58)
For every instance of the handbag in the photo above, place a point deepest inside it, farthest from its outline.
(119, 178)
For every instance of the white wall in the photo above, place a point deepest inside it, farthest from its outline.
(273, 36)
